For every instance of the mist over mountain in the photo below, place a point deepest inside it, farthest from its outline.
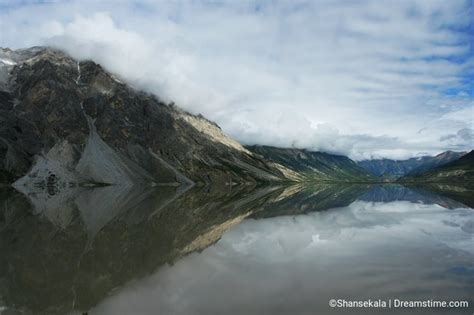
(366, 80)
(235, 157)
(66, 122)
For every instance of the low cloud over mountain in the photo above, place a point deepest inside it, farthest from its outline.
(341, 77)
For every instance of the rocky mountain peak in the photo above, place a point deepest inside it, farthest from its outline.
(76, 121)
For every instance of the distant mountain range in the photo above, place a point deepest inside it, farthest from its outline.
(392, 169)
(67, 123)
(458, 171)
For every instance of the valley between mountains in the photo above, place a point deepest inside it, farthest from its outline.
(68, 123)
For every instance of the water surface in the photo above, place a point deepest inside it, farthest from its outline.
(273, 250)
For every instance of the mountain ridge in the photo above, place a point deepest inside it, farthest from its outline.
(392, 169)
(458, 171)
(313, 165)
(68, 122)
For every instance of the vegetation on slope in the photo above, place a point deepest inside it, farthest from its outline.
(315, 166)
(458, 171)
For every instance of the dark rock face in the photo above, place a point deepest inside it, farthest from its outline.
(76, 122)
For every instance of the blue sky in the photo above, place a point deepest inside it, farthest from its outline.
(362, 78)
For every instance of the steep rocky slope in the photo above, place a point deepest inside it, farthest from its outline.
(65, 122)
(315, 166)
(392, 169)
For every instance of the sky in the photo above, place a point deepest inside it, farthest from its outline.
(367, 79)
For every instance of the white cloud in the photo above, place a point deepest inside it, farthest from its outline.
(359, 78)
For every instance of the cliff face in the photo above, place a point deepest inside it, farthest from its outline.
(65, 122)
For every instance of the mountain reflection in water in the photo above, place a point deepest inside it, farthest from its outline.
(268, 250)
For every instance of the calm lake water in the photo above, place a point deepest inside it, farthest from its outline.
(273, 250)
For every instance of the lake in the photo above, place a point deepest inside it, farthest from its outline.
(267, 250)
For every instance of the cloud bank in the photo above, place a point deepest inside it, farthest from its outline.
(364, 78)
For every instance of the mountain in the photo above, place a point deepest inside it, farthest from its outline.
(397, 168)
(458, 171)
(65, 122)
(317, 166)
